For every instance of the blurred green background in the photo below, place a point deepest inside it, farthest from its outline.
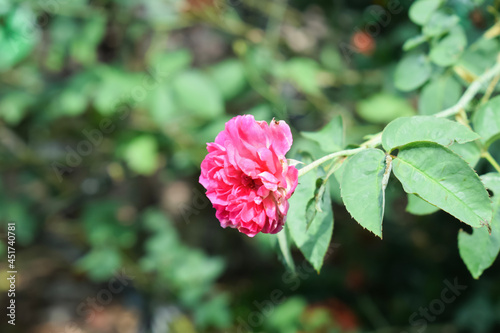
(105, 110)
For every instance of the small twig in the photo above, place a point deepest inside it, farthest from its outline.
(492, 161)
(322, 160)
(490, 89)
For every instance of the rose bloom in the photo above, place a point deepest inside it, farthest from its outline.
(247, 176)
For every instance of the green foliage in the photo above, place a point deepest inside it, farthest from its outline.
(165, 76)
(304, 72)
(480, 249)
(168, 64)
(101, 263)
(284, 242)
(83, 49)
(412, 72)
(382, 108)
(112, 82)
(310, 232)
(185, 271)
(17, 39)
(13, 107)
(161, 104)
(449, 49)
(195, 93)
(469, 151)
(103, 227)
(450, 184)
(425, 128)
(331, 137)
(480, 56)
(286, 317)
(229, 77)
(214, 312)
(419, 206)
(19, 212)
(362, 182)
(421, 10)
(486, 121)
(439, 94)
(141, 154)
(439, 23)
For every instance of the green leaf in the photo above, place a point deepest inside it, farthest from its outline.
(211, 130)
(197, 94)
(194, 268)
(480, 249)
(443, 179)
(418, 206)
(331, 137)
(425, 128)
(304, 72)
(259, 59)
(331, 59)
(164, 65)
(62, 30)
(17, 36)
(440, 23)
(285, 249)
(5, 6)
(383, 108)
(157, 222)
(71, 102)
(13, 106)
(261, 111)
(438, 95)
(286, 317)
(75, 95)
(114, 84)
(480, 56)
(412, 72)
(141, 154)
(21, 213)
(362, 190)
(103, 228)
(83, 48)
(161, 105)
(229, 77)
(100, 264)
(214, 312)
(449, 49)
(313, 241)
(421, 10)
(414, 42)
(469, 151)
(486, 121)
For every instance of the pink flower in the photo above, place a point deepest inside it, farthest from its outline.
(247, 176)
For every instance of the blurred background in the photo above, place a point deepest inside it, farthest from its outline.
(105, 110)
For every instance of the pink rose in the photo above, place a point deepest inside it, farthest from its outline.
(247, 176)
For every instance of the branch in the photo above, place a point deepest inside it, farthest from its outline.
(376, 139)
(471, 92)
(322, 160)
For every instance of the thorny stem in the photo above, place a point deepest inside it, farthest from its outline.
(376, 139)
